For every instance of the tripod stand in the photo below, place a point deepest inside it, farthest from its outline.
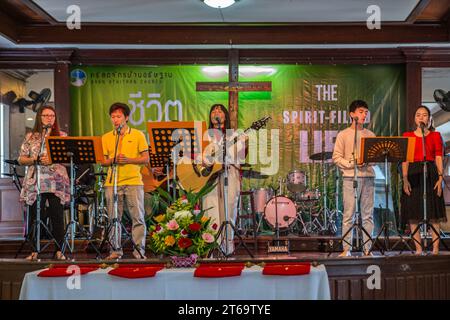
(74, 150)
(116, 226)
(386, 150)
(35, 230)
(356, 226)
(73, 226)
(425, 224)
(223, 232)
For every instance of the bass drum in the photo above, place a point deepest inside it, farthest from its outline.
(286, 210)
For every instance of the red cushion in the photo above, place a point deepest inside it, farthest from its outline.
(136, 271)
(61, 271)
(219, 270)
(286, 269)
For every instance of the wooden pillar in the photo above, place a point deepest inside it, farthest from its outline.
(413, 83)
(233, 95)
(62, 95)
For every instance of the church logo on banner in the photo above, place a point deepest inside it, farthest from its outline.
(78, 77)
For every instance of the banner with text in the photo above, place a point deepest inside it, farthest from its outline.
(308, 105)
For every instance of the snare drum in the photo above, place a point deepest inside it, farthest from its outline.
(283, 207)
(309, 195)
(260, 198)
(296, 181)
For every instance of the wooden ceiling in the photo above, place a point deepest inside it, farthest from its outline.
(25, 22)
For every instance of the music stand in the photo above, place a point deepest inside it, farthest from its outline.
(386, 150)
(171, 140)
(164, 161)
(75, 150)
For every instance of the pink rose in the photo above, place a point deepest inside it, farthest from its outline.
(208, 237)
(197, 209)
(172, 225)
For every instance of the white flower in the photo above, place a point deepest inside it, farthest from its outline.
(182, 214)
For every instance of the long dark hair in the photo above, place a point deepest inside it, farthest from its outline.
(431, 128)
(38, 127)
(224, 110)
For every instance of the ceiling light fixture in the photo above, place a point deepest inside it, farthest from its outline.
(219, 4)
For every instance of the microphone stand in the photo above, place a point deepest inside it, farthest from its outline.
(425, 224)
(38, 222)
(357, 214)
(116, 224)
(425, 172)
(355, 186)
(227, 223)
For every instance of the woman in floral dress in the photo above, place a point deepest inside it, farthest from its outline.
(54, 181)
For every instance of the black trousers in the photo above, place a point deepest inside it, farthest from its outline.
(54, 211)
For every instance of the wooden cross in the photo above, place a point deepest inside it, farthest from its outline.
(233, 86)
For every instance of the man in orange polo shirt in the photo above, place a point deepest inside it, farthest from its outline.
(132, 154)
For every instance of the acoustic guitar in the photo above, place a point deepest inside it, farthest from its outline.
(194, 176)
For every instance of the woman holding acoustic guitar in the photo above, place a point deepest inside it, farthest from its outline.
(219, 121)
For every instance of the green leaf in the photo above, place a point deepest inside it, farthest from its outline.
(166, 195)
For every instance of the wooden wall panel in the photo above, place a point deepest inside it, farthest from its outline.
(11, 211)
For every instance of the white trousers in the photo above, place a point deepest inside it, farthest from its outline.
(366, 196)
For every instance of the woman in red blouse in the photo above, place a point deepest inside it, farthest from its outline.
(412, 196)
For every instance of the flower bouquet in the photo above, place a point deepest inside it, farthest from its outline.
(183, 232)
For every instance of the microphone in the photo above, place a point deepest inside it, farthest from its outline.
(421, 125)
(355, 119)
(119, 127)
(47, 126)
(218, 120)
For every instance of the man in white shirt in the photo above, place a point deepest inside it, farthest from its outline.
(345, 160)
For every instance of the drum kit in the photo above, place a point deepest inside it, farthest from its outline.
(297, 207)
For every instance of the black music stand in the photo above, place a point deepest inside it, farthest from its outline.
(75, 150)
(162, 160)
(171, 140)
(386, 150)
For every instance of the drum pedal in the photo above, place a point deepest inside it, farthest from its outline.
(278, 246)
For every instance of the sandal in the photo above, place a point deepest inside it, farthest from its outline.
(60, 256)
(113, 256)
(32, 257)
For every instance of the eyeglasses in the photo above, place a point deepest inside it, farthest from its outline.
(47, 115)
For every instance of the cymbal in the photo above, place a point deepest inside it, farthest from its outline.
(12, 162)
(321, 156)
(251, 174)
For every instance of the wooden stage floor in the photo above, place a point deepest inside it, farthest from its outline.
(403, 275)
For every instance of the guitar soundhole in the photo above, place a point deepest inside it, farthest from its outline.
(197, 172)
(206, 172)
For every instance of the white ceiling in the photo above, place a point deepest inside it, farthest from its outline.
(191, 11)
